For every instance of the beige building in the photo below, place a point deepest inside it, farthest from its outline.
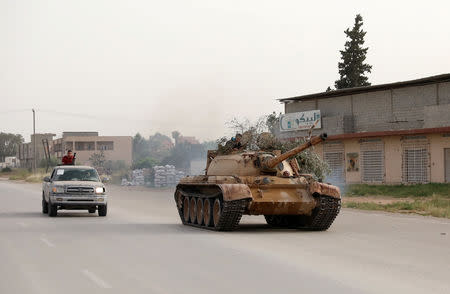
(390, 133)
(115, 148)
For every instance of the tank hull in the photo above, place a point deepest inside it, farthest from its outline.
(285, 199)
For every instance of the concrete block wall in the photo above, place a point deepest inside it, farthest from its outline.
(436, 116)
(406, 108)
(372, 111)
(335, 106)
(300, 106)
(408, 103)
(334, 124)
(443, 90)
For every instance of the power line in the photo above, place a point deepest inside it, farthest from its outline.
(15, 110)
(97, 117)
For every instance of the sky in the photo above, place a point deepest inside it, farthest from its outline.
(122, 67)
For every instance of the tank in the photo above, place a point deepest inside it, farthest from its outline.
(257, 183)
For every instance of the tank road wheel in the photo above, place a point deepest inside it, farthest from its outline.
(217, 212)
(207, 213)
(193, 210)
(286, 221)
(186, 209)
(199, 211)
(271, 220)
(281, 221)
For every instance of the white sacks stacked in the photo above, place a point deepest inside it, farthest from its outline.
(167, 176)
(160, 176)
(137, 177)
(180, 174)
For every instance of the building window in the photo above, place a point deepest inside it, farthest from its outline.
(69, 145)
(415, 161)
(57, 147)
(105, 145)
(84, 146)
(333, 154)
(372, 161)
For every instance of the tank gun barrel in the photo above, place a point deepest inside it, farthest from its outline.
(271, 163)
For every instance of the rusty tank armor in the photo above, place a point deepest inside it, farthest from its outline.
(257, 183)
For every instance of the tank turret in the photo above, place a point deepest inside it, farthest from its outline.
(272, 162)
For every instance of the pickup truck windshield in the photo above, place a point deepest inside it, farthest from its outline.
(62, 174)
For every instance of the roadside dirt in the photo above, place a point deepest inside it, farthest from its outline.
(375, 199)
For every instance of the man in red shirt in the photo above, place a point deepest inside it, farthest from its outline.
(68, 159)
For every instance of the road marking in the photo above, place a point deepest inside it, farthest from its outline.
(101, 283)
(23, 225)
(47, 242)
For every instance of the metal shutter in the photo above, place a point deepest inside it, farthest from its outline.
(333, 154)
(447, 165)
(415, 161)
(372, 161)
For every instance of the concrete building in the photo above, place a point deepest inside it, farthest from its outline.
(115, 148)
(389, 133)
(25, 152)
(11, 162)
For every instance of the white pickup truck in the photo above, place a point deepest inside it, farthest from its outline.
(74, 187)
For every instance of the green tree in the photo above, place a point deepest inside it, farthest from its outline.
(114, 166)
(52, 162)
(159, 146)
(182, 154)
(98, 160)
(175, 136)
(9, 145)
(147, 162)
(352, 68)
(140, 147)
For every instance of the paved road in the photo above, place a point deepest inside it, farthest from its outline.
(140, 247)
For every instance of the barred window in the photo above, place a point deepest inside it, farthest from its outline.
(372, 161)
(415, 161)
(333, 153)
(447, 164)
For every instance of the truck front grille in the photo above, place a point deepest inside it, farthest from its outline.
(80, 190)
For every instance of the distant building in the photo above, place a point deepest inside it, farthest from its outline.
(115, 148)
(389, 133)
(10, 161)
(25, 152)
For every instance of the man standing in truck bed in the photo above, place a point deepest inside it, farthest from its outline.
(68, 159)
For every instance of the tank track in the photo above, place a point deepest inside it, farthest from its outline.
(320, 220)
(325, 213)
(229, 218)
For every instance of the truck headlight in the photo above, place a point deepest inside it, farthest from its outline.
(99, 190)
(58, 189)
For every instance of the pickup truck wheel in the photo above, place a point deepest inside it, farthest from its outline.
(44, 205)
(52, 209)
(102, 210)
(92, 210)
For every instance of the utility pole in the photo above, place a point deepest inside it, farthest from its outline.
(34, 141)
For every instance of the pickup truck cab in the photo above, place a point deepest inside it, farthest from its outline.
(74, 187)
